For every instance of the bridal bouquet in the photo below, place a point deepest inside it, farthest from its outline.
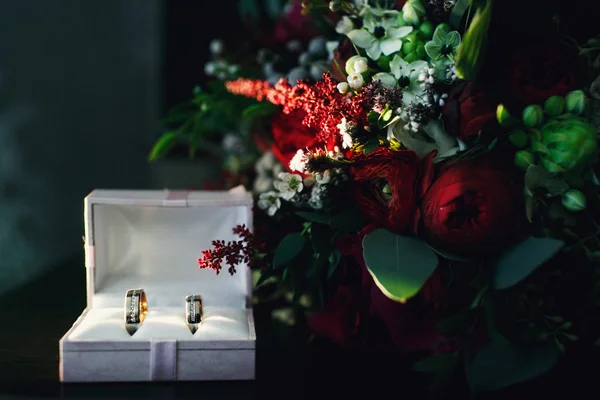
(429, 182)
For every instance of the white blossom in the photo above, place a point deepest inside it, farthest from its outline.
(323, 178)
(356, 80)
(343, 87)
(270, 202)
(344, 25)
(360, 66)
(216, 46)
(298, 162)
(288, 185)
(345, 130)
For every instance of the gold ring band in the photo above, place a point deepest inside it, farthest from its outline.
(194, 312)
(136, 308)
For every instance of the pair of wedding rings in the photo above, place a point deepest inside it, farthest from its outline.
(136, 309)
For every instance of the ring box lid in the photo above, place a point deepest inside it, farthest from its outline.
(151, 239)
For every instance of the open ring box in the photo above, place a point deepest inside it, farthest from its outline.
(151, 240)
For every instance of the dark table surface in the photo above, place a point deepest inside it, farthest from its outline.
(34, 318)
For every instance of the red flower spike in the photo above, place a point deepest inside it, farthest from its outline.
(233, 252)
(324, 105)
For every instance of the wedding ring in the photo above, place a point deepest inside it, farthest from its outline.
(136, 308)
(194, 312)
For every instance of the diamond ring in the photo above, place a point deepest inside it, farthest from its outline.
(194, 312)
(136, 308)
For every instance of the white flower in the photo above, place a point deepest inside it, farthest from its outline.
(288, 184)
(343, 87)
(323, 178)
(269, 201)
(380, 33)
(298, 162)
(345, 130)
(216, 47)
(262, 184)
(436, 139)
(316, 197)
(408, 78)
(210, 68)
(356, 80)
(360, 66)
(265, 163)
(344, 25)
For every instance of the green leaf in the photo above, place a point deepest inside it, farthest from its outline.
(274, 8)
(458, 11)
(519, 262)
(500, 364)
(249, 8)
(349, 220)
(433, 364)
(400, 265)
(258, 110)
(471, 52)
(457, 323)
(288, 249)
(163, 145)
(371, 145)
(334, 261)
(321, 238)
(314, 217)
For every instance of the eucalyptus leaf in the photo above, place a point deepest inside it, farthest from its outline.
(399, 265)
(289, 247)
(520, 261)
(433, 364)
(314, 217)
(500, 364)
(321, 238)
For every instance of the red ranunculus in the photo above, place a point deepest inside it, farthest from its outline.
(469, 112)
(472, 206)
(537, 72)
(294, 25)
(290, 135)
(384, 187)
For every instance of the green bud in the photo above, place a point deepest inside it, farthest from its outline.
(351, 61)
(518, 138)
(533, 115)
(444, 26)
(414, 11)
(411, 57)
(576, 102)
(504, 118)
(568, 143)
(554, 106)
(574, 200)
(386, 116)
(409, 47)
(523, 159)
(421, 51)
(427, 29)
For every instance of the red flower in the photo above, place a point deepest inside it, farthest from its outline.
(538, 72)
(385, 187)
(470, 207)
(294, 25)
(469, 112)
(290, 135)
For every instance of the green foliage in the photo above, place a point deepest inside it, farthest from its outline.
(470, 53)
(520, 261)
(500, 364)
(400, 265)
(289, 247)
(163, 145)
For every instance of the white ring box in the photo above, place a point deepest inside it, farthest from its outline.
(151, 239)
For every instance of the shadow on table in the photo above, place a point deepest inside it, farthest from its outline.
(36, 316)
